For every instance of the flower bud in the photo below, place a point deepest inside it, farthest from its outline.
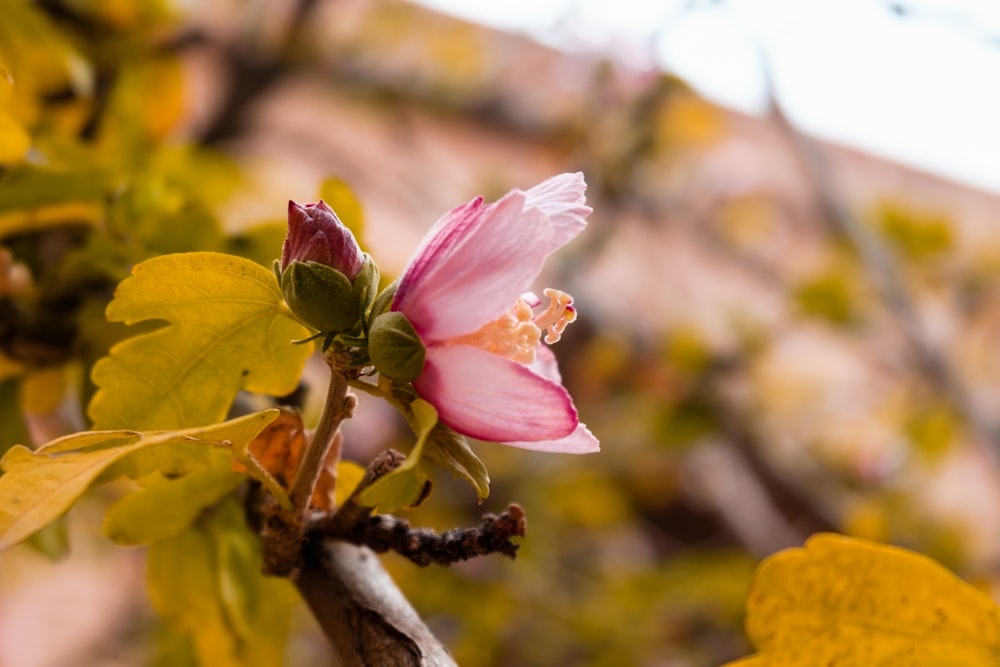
(316, 234)
(327, 281)
(395, 348)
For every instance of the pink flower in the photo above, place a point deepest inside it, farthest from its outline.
(466, 293)
(316, 234)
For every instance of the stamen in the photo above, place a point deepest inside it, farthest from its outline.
(517, 333)
(557, 316)
(512, 335)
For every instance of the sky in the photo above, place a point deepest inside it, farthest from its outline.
(919, 84)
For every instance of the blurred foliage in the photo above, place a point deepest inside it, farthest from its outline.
(849, 602)
(916, 234)
(803, 373)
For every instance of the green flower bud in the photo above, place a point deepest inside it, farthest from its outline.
(320, 296)
(395, 348)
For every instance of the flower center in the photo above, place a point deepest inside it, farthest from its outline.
(517, 333)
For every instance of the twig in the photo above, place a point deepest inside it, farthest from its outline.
(881, 266)
(354, 523)
(283, 530)
(339, 406)
(423, 546)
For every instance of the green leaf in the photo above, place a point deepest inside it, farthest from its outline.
(38, 487)
(192, 227)
(46, 59)
(52, 541)
(451, 450)
(229, 331)
(167, 506)
(406, 485)
(207, 581)
(852, 603)
(30, 186)
(261, 243)
(32, 198)
(183, 588)
(239, 563)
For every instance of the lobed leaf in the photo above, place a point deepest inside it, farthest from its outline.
(852, 603)
(228, 331)
(167, 506)
(38, 487)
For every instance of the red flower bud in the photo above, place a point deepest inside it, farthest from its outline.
(316, 234)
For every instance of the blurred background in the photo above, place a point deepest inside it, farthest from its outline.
(789, 315)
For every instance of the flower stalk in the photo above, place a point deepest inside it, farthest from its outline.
(324, 448)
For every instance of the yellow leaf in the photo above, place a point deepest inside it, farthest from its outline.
(339, 196)
(852, 603)
(14, 139)
(56, 215)
(349, 475)
(153, 93)
(38, 487)
(167, 506)
(183, 589)
(688, 120)
(229, 331)
(207, 581)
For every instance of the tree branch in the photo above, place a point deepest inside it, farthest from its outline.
(361, 611)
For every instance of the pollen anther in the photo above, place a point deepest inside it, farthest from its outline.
(517, 333)
(559, 314)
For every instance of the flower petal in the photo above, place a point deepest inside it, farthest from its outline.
(561, 198)
(472, 267)
(545, 364)
(580, 441)
(489, 397)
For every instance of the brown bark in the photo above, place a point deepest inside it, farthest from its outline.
(362, 612)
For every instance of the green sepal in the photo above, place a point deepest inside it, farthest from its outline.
(451, 450)
(395, 348)
(384, 300)
(321, 296)
(366, 284)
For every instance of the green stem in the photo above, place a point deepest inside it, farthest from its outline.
(367, 387)
(338, 407)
